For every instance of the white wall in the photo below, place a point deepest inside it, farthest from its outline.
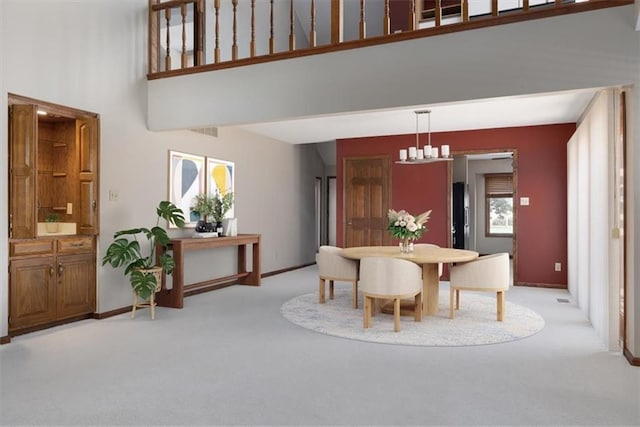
(589, 156)
(92, 55)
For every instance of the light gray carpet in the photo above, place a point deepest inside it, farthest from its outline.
(474, 324)
(230, 358)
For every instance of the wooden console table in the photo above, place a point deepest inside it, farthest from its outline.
(175, 297)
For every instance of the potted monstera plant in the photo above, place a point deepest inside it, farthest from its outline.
(140, 262)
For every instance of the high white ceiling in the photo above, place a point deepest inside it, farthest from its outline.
(558, 107)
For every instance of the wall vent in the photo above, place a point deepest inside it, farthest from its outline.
(207, 131)
(563, 300)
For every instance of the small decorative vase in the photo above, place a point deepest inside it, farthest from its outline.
(406, 246)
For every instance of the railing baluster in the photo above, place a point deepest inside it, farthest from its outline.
(337, 22)
(252, 44)
(363, 22)
(312, 32)
(292, 37)
(183, 55)
(234, 47)
(525, 5)
(414, 13)
(465, 10)
(438, 13)
(386, 23)
(167, 58)
(494, 7)
(198, 21)
(154, 35)
(216, 50)
(271, 37)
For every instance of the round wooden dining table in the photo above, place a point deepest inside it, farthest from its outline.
(427, 256)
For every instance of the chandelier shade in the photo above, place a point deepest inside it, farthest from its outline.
(428, 153)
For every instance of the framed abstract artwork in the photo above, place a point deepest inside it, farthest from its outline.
(186, 181)
(220, 178)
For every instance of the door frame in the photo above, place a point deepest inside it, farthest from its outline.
(514, 152)
(330, 179)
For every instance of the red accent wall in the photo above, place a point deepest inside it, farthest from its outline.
(541, 227)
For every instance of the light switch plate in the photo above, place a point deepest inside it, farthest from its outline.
(524, 201)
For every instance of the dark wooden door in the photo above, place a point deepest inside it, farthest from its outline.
(367, 198)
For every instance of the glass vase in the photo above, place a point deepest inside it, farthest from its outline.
(406, 246)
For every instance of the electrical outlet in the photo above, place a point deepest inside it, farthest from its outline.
(113, 195)
(558, 266)
(69, 208)
(524, 201)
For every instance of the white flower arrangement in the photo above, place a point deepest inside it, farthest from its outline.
(403, 225)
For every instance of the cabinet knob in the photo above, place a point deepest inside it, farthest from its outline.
(50, 270)
(60, 269)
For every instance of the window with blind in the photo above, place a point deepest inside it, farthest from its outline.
(498, 189)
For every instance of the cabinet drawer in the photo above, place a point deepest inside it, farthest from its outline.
(30, 247)
(75, 244)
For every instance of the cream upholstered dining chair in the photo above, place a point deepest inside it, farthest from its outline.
(390, 278)
(488, 273)
(334, 267)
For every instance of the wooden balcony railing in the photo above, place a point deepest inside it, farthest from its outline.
(188, 36)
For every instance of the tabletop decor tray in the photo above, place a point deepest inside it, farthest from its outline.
(204, 235)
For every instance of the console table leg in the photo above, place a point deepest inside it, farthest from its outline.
(174, 297)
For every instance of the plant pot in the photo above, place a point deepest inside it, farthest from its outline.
(151, 303)
(157, 272)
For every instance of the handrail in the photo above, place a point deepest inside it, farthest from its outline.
(419, 23)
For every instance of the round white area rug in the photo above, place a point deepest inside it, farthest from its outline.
(475, 323)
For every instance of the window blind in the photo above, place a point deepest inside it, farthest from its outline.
(497, 184)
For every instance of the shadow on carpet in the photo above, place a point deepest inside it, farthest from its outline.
(475, 323)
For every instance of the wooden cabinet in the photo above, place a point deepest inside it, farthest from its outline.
(76, 291)
(53, 169)
(32, 298)
(51, 281)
